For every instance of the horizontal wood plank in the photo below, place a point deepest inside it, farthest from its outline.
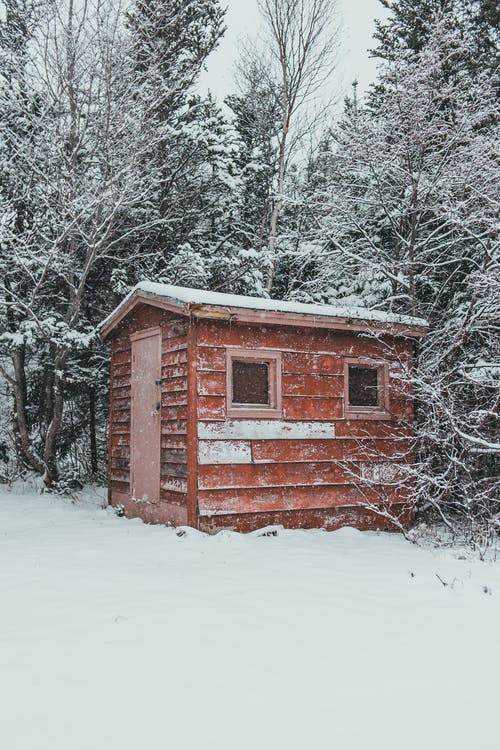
(173, 484)
(120, 487)
(119, 475)
(121, 381)
(338, 449)
(119, 463)
(178, 370)
(174, 398)
(175, 498)
(318, 409)
(377, 450)
(313, 385)
(173, 470)
(173, 357)
(273, 451)
(171, 412)
(121, 358)
(356, 429)
(175, 329)
(265, 499)
(121, 371)
(382, 472)
(120, 451)
(120, 404)
(173, 455)
(211, 358)
(121, 429)
(120, 417)
(224, 452)
(358, 516)
(262, 429)
(121, 344)
(120, 391)
(334, 343)
(177, 343)
(211, 407)
(174, 384)
(311, 363)
(120, 440)
(272, 475)
(174, 442)
(211, 383)
(175, 427)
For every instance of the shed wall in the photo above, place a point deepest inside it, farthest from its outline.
(312, 466)
(171, 505)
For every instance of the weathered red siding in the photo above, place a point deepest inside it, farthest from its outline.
(171, 506)
(308, 467)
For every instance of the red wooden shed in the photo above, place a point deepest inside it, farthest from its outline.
(237, 412)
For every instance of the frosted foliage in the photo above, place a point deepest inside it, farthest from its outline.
(188, 266)
(404, 195)
(118, 279)
(100, 154)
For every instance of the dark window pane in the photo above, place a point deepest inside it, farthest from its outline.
(250, 382)
(363, 383)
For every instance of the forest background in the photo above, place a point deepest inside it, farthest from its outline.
(114, 169)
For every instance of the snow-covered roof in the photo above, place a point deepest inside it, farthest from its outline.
(186, 299)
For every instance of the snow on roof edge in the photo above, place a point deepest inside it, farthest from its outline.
(187, 295)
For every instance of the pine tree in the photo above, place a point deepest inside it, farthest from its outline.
(171, 40)
(408, 216)
(256, 108)
(410, 24)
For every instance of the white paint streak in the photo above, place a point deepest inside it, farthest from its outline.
(224, 452)
(265, 429)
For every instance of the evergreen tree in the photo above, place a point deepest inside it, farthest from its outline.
(406, 221)
(410, 24)
(256, 110)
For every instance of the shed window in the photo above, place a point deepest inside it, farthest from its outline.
(366, 389)
(363, 386)
(250, 382)
(253, 383)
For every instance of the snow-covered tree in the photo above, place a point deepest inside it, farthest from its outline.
(172, 39)
(199, 238)
(404, 209)
(411, 21)
(256, 107)
(82, 187)
(301, 45)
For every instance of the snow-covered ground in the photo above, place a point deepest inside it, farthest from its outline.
(119, 636)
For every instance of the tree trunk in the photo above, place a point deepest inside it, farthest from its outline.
(411, 250)
(92, 430)
(278, 205)
(51, 474)
(24, 447)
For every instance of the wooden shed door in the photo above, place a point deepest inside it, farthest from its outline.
(146, 416)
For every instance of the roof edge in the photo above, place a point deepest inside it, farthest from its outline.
(248, 315)
(134, 297)
(304, 320)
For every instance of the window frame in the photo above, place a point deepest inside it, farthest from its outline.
(273, 359)
(381, 411)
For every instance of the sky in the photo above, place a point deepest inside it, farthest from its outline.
(242, 20)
